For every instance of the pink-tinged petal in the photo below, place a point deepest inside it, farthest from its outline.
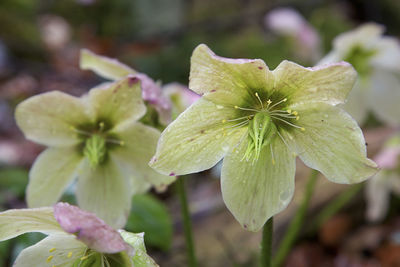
(388, 158)
(181, 96)
(152, 94)
(89, 229)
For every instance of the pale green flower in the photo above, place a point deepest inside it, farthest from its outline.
(258, 121)
(96, 138)
(75, 238)
(377, 61)
(385, 182)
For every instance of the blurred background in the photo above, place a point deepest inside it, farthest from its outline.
(39, 51)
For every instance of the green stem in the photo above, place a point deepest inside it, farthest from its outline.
(266, 243)
(335, 205)
(296, 223)
(187, 223)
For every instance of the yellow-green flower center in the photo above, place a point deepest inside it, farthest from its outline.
(95, 150)
(360, 58)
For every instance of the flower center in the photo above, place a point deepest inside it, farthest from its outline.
(264, 122)
(360, 57)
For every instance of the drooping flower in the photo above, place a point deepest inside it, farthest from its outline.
(75, 238)
(386, 181)
(112, 69)
(96, 138)
(258, 121)
(287, 22)
(377, 61)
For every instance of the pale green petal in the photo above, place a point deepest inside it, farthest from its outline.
(103, 66)
(141, 259)
(140, 142)
(52, 172)
(52, 251)
(196, 140)
(256, 192)
(228, 81)
(377, 194)
(105, 191)
(326, 83)
(387, 54)
(20, 221)
(385, 96)
(332, 143)
(49, 118)
(118, 103)
(357, 104)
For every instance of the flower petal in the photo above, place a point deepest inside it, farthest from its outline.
(385, 96)
(228, 81)
(332, 143)
(377, 194)
(91, 230)
(49, 118)
(51, 173)
(65, 250)
(103, 66)
(357, 104)
(326, 83)
(140, 143)
(118, 103)
(141, 259)
(256, 192)
(105, 191)
(388, 54)
(196, 140)
(20, 221)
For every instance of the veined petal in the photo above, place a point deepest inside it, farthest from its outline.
(228, 81)
(50, 118)
(385, 96)
(118, 103)
(60, 250)
(256, 192)
(20, 221)
(326, 83)
(103, 66)
(141, 259)
(197, 139)
(105, 191)
(332, 143)
(52, 172)
(140, 142)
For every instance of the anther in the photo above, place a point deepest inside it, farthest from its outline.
(236, 107)
(259, 100)
(52, 249)
(121, 143)
(295, 113)
(289, 111)
(84, 257)
(223, 121)
(69, 254)
(101, 125)
(297, 118)
(302, 129)
(49, 258)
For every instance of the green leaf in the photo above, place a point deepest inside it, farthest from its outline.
(149, 215)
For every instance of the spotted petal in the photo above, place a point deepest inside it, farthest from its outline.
(332, 143)
(196, 140)
(105, 191)
(118, 103)
(103, 66)
(60, 250)
(20, 221)
(140, 143)
(52, 172)
(228, 81)
(49, 118)
(326, 83)
(256, 192)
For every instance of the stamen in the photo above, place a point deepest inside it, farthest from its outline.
(269, 102)
(289, 111)
(52, 249)
(69, 254)
(79, 131)
(302, 129)
(246, 109)
(291, 124)
(238, 125)
(49, 258)
(295, 113)
(223, 121)
(241, 118)
(101, 125)
(274, 105)
(259, 99)
(272, 154)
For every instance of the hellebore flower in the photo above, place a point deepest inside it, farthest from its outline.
(377, 61)
(289, 23)
(112, 69)
(75, 238)
(95, 138)
(386, 181)
(181, 97)
(258, 120)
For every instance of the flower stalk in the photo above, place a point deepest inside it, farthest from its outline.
(266, 243)
(187, 223)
